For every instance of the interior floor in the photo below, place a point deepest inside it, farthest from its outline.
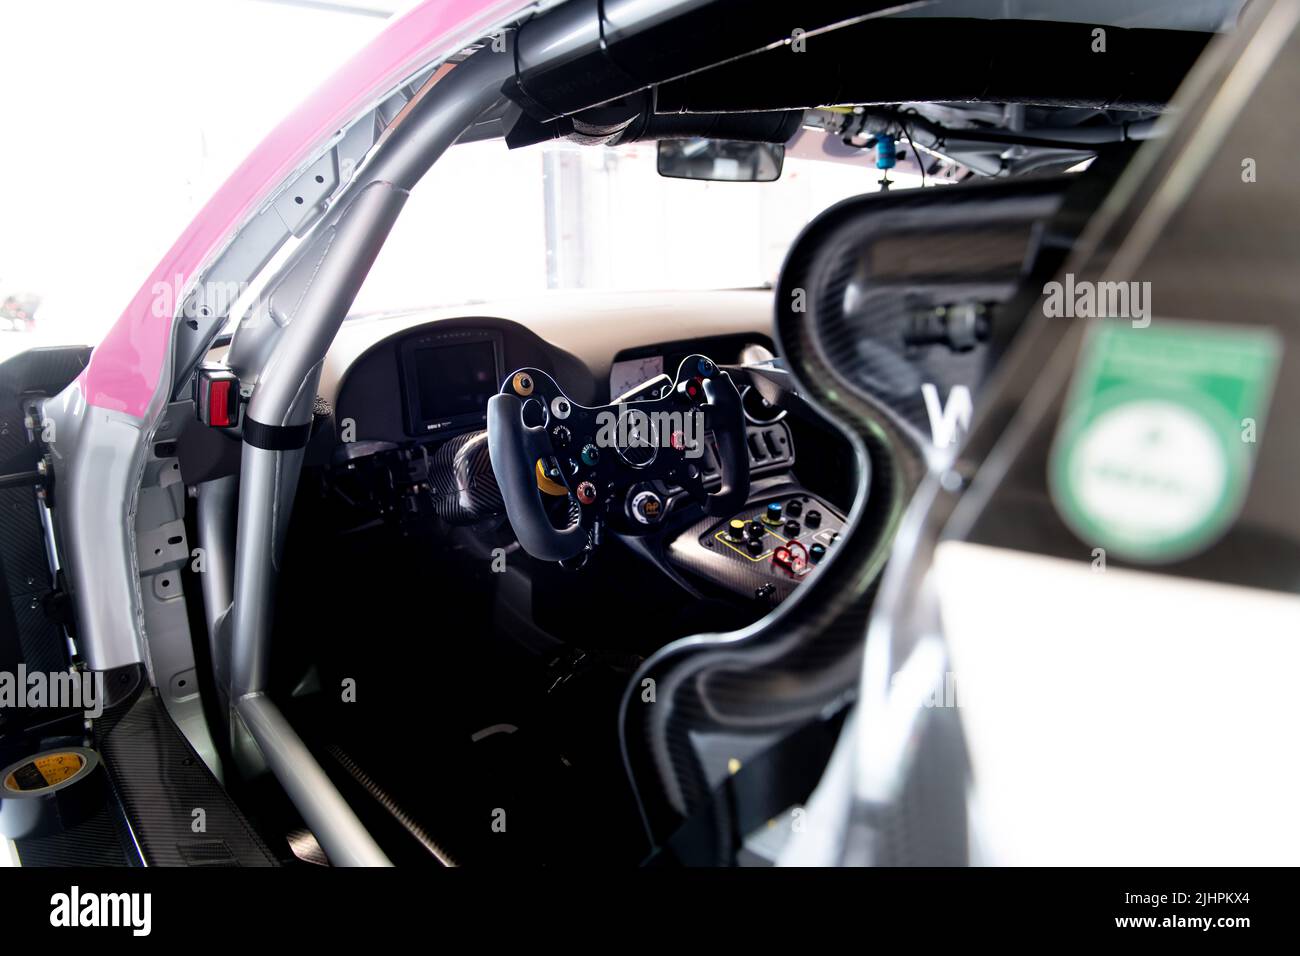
(501, 746)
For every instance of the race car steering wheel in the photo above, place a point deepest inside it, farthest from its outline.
(540, 438)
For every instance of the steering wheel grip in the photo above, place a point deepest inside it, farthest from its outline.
(733, 457)
(514, 449)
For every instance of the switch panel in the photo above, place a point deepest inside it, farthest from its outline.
(771, 541)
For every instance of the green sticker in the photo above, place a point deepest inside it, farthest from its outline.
(1155, 448)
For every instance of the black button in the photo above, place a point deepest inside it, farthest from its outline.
(813, 519)
(816, 552)
(754, 545)
(794, 507)
(792, 528)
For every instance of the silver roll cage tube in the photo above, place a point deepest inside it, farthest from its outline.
(278, 348)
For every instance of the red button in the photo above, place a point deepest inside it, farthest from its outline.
(586, 492)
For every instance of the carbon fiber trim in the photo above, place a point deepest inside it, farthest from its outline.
(26, 634)
(926, 824)
(162, 782)
(98, 841)
(44, 371)
(886, 260)
(461, 483)
(44, 648)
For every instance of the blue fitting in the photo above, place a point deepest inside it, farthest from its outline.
(886, 152)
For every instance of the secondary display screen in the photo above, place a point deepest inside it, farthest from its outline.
(628, 374)
(453, 381)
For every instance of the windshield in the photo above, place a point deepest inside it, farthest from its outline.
(80, 237)
(488, 222)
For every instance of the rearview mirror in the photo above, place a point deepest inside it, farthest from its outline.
(720, 160)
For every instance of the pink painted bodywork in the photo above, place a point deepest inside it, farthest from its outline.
(124, 370)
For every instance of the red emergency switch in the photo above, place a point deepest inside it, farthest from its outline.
(792, 556)
(219, 404)
(216, 396)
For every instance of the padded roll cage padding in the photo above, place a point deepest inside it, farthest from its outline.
(275, 437)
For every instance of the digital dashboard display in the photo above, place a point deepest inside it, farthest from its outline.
(453, 382)
(627, 375)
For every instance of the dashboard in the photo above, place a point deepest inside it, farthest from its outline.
(411, 392)
(427, 375)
